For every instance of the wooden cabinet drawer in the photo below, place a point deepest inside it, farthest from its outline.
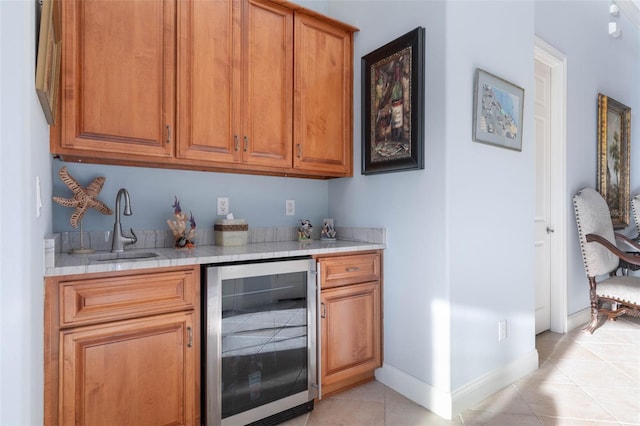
(111, 298)
(344, 270)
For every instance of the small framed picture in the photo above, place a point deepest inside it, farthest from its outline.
(497, 111)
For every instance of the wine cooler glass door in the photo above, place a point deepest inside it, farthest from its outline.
(265, 338)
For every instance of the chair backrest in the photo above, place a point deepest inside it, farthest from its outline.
(635, 208)
(593, 217)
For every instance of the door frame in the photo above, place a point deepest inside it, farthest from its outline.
(557, 62)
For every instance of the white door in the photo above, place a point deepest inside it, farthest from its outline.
(552, 198)
(543, 227)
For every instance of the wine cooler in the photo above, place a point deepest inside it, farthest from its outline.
(259, 342)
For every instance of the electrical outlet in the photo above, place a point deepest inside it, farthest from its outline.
(223, 206)
(502, 330)
(290, 207)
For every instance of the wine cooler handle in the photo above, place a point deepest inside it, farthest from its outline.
(319, 305)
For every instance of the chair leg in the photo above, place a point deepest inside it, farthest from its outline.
(590, 328)
(614, 315)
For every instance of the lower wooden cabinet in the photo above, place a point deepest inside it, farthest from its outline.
(350, 320)
(138, 365)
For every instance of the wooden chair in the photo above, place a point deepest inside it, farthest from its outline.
(635, 209)
(610, 294)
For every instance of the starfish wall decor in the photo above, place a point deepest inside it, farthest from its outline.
(83, 199)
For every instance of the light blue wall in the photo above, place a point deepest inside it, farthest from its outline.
(596, 63)
(409, 204)
(258, 199)
(490, 193)
(446, 268)
(24, 146)
(460, 236)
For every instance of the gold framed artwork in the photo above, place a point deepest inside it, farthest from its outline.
(614, 130)
(48, 58)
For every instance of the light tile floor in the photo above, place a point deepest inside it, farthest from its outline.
(582, 380)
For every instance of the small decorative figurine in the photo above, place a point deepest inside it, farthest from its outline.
(304, 230)
(83, 199)
(328, 232)
(184, 238)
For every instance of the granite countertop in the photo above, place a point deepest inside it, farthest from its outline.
(68, 264)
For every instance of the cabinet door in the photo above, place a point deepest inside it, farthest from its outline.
(350, 330)
(136, 372)
(323, 97)
(235, 84)
(209, 80)
(267, 84)
(117, 77)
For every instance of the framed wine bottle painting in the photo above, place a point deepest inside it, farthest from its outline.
(393, 105)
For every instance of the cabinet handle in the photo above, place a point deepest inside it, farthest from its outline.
(353, 269)
(168, 134)
(246, 143)
(299, 150)
(323, 310)
(190, 334)
(235, 142)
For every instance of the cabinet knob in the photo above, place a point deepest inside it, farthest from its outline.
(352, 269)
(246, 143)
(168, 134)
(236, 146)
(190, 334)
(299, 150)
(323, 310)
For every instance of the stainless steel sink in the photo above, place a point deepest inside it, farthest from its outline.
(110, 257)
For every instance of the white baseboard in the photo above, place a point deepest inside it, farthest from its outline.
(416, 390)
(449, 405)
(579, 319)
(472, 393)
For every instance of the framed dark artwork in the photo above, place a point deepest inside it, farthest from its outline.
(497, 111)
(393, 105)
(49, 52)
(614, 131)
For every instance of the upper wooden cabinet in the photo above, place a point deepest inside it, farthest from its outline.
(235, 82)
(117, 78)
(323, 124)
(249, 86)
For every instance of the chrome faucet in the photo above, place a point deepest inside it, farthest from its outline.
(118, 240)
